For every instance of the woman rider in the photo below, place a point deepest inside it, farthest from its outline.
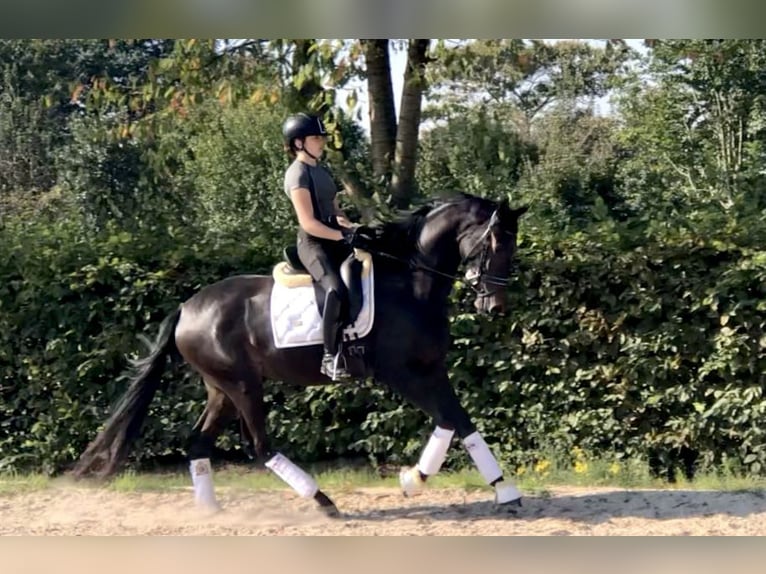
(325, 235)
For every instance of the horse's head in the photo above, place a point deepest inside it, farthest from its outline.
(487, 249)
(466, 230)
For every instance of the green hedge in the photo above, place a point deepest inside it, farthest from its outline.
(620, 349)
(625, 353)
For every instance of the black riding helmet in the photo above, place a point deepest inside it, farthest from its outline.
(300, 126)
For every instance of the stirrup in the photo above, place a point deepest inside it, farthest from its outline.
(332, 368)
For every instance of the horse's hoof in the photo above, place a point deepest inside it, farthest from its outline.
(511, 505)
(326, 505)
(410, 481)
(209, 508)
(330, 511)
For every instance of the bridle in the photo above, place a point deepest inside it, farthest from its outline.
(480, 280)
(476, 282)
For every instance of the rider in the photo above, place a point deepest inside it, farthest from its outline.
(325, 235)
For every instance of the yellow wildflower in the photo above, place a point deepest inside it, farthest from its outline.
(541, 467)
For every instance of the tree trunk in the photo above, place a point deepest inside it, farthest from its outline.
(405, 159)
(382, 111)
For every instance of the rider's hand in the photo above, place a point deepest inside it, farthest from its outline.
(360, 237)
(343, 221)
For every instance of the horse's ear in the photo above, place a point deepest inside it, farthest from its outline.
(507, 215)
(503, 209)
(519, 211)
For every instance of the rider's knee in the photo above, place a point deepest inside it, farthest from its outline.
(337, 289)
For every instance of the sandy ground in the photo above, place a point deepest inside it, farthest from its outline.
(376, 511)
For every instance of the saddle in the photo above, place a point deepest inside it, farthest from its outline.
(292, 273)
(297, 302)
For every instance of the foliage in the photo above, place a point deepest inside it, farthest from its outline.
(47, 82)
(71, 306)
(613, 347)
(25, 140)
(571, 180)
(233, 174)
(697, 128)
(528, 77)
(624, 351)
(474, 152)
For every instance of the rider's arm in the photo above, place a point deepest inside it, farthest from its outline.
(301, 199)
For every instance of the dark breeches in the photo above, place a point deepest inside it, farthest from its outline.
(323, 259)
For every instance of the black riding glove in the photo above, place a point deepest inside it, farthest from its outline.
(360, 237)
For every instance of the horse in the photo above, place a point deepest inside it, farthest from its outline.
(225, 333)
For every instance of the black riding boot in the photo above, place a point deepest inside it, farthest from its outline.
(333, 362)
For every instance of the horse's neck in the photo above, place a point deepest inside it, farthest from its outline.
(438, 253)
(437, 243)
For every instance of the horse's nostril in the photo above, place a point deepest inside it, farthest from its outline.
(497, 307)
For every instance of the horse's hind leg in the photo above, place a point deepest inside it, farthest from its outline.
(248, 399)
(219, 411)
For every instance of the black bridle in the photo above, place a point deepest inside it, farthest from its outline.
(483, 278)
(477, 282)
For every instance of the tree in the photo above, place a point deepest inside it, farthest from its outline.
(44, 85)
(393, 143)
(525, 119)
(525, 77)
(698, 120)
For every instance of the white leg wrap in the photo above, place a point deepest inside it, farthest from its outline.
(506, 492)
(298, 479)
(484, 460)
(433, 455)
(410, 480)
(202, 479)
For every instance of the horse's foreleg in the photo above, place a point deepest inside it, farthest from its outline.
(436, 398)
(439, 400)
(412, 479)
(505, 491)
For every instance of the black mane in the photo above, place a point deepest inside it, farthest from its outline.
(399, 236)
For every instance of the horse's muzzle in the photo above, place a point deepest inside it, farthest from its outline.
(492, 303)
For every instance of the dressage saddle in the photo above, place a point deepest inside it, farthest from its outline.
(350, 273)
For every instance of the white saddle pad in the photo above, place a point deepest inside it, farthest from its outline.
(295, 319)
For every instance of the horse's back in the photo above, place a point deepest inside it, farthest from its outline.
(220, 304)
(232, 288)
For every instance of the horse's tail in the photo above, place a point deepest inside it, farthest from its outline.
(110, 448)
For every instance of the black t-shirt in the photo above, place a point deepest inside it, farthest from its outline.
(317, 180)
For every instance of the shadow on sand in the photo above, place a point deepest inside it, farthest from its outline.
(591, 508)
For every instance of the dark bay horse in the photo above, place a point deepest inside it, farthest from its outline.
(224, 332)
